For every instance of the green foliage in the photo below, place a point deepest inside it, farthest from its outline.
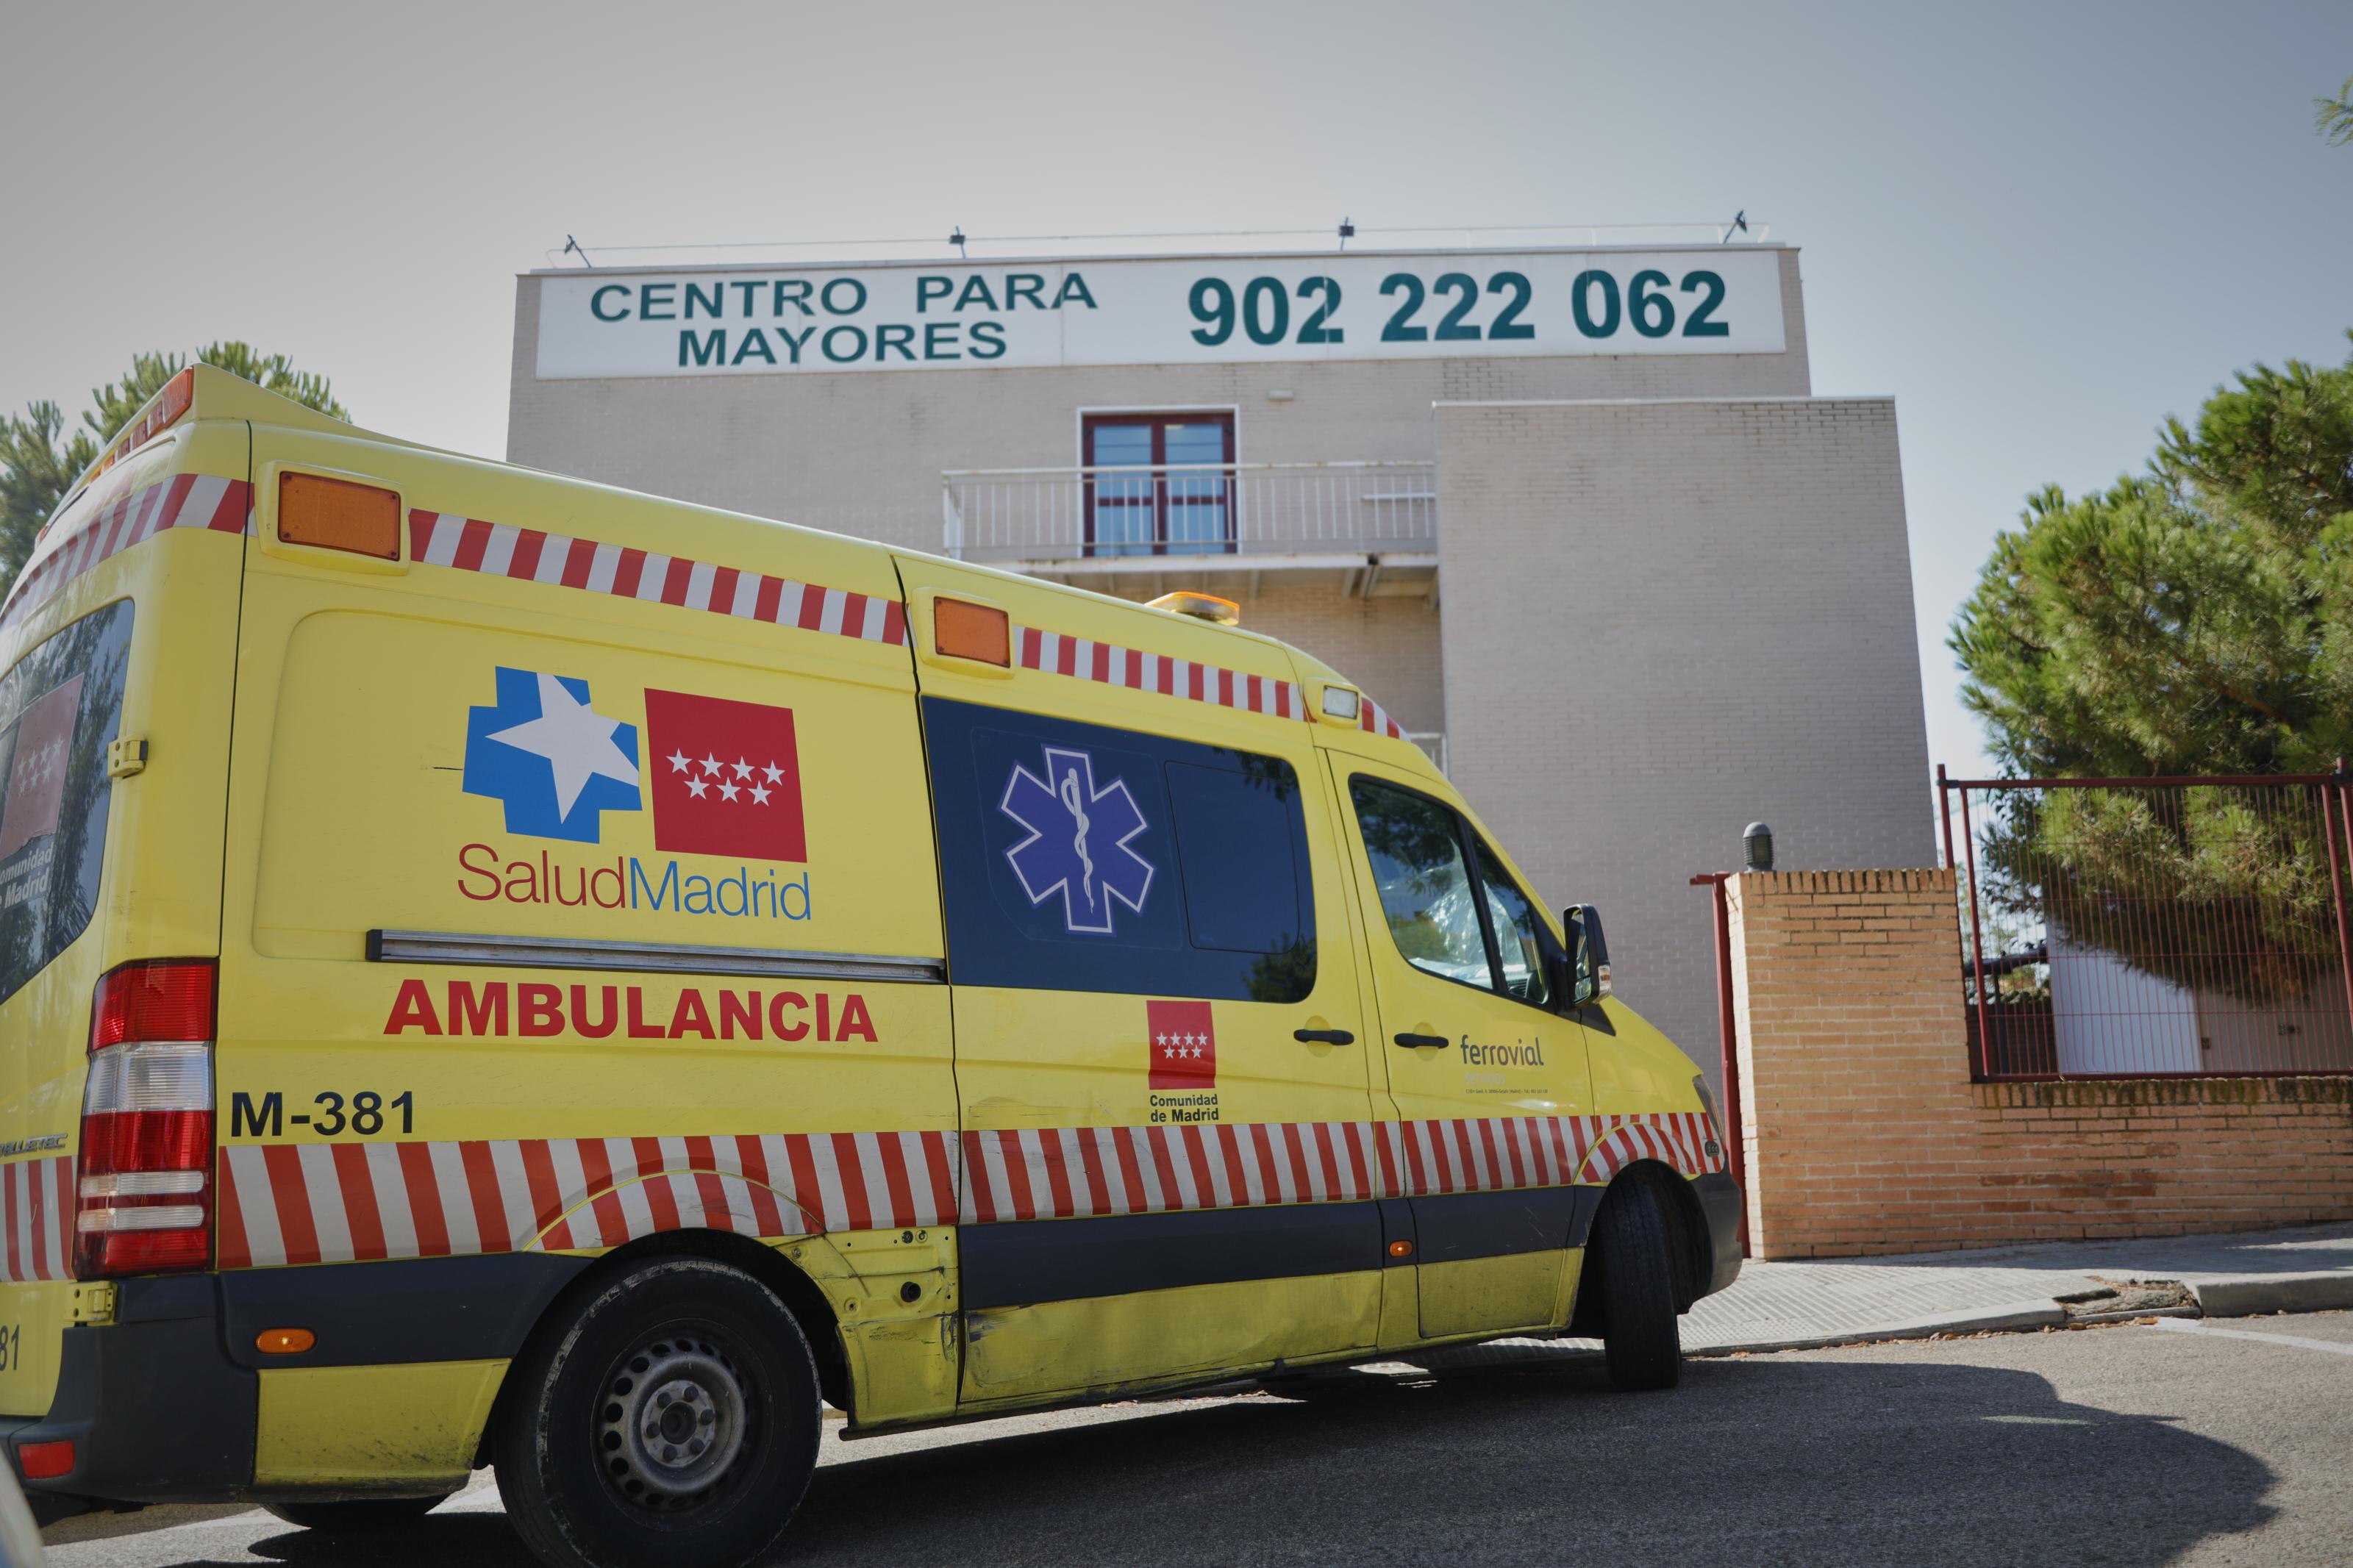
(2333, 117)
(2194, 619)
(34, 473)
(36, 469)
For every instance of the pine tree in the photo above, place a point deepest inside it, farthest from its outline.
(2194, 619)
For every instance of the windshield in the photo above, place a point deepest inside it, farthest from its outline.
(59, 708)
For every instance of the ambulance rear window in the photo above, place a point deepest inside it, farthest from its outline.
(59, 708)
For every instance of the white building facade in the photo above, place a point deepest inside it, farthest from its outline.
(1574, 516)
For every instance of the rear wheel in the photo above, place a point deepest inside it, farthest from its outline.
(356, 1513)
(672, 1419)
(1640, 1335)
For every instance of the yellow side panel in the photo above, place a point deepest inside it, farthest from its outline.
(1637, 1070)
(1475, 1295)
(1098, 1344)
(902, 1350)
(376, 1426)
(33, 1318)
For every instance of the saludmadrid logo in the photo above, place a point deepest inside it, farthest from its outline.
(723, 780)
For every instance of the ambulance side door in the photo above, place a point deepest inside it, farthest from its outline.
(1481, 1069)
(1166, 1148)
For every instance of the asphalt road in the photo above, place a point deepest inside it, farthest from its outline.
(2126, 1445)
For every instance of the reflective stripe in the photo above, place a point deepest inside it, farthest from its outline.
(290, 1203)
(437, 538)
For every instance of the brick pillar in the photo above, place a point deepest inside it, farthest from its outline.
(1853, 1062)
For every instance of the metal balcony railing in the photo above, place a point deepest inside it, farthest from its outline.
(1160, 517)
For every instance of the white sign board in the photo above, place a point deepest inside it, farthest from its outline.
(1209, 310)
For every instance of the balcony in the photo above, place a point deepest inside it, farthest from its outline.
(1366, 521)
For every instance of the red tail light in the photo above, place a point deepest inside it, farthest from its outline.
(145, 1201)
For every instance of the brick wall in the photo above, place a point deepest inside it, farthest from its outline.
(1863, 1134)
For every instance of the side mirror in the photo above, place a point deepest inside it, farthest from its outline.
(1589, 954)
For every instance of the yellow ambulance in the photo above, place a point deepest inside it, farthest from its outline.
(500, 970)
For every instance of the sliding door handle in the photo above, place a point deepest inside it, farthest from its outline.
(1323, 1037)
(1421, 1042)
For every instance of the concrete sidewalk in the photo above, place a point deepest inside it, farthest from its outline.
(1799, 1305)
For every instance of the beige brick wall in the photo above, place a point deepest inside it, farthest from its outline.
(862, 452)
(1863, 1134)
(1663, 621)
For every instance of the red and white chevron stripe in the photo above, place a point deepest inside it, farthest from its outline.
(1373, 720)
(1060, 1173)
(1681, 1139)
(114, 524)
(323, 1203)
(1057, 1173)
(36, 1219)
(528, 555)
(1055, 653)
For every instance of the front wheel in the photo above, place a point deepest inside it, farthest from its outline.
(1641, 1337)
(672, 1419)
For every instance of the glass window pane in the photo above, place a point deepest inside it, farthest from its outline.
(1424, 886)
(59, 708)
(1520, 935)
(1196, 443)
(1119, 444)
(1123, 517)
(1078, 858)
(1240, 861)
(1197, 515)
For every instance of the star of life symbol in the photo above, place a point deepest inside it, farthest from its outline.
(554, 761)
(1078, 843)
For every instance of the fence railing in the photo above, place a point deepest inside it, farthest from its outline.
(1150, 514)
(2166, 927)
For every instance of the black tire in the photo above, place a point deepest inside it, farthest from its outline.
(1639, 1334)
(668, 1415)
(356, 1513)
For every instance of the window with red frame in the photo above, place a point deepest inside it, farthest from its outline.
(1159, 484)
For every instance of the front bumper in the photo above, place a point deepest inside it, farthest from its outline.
(1720, 1201)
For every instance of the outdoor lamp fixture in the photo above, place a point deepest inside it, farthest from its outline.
(1756, 848)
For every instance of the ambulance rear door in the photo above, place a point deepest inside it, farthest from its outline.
(118, 654)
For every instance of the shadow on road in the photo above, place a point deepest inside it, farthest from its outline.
(1761, 1460)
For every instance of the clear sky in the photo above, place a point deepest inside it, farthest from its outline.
(2042, 227)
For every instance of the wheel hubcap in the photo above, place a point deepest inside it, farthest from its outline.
(673, 1422)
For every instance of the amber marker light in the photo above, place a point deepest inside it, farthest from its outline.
(1200, 606)
(284, 1342)
(979, 632)
(336, 514)
(1400, 1249)
(178, 394)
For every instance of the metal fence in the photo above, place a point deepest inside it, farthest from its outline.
(2148, 928)
(1210, 510)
